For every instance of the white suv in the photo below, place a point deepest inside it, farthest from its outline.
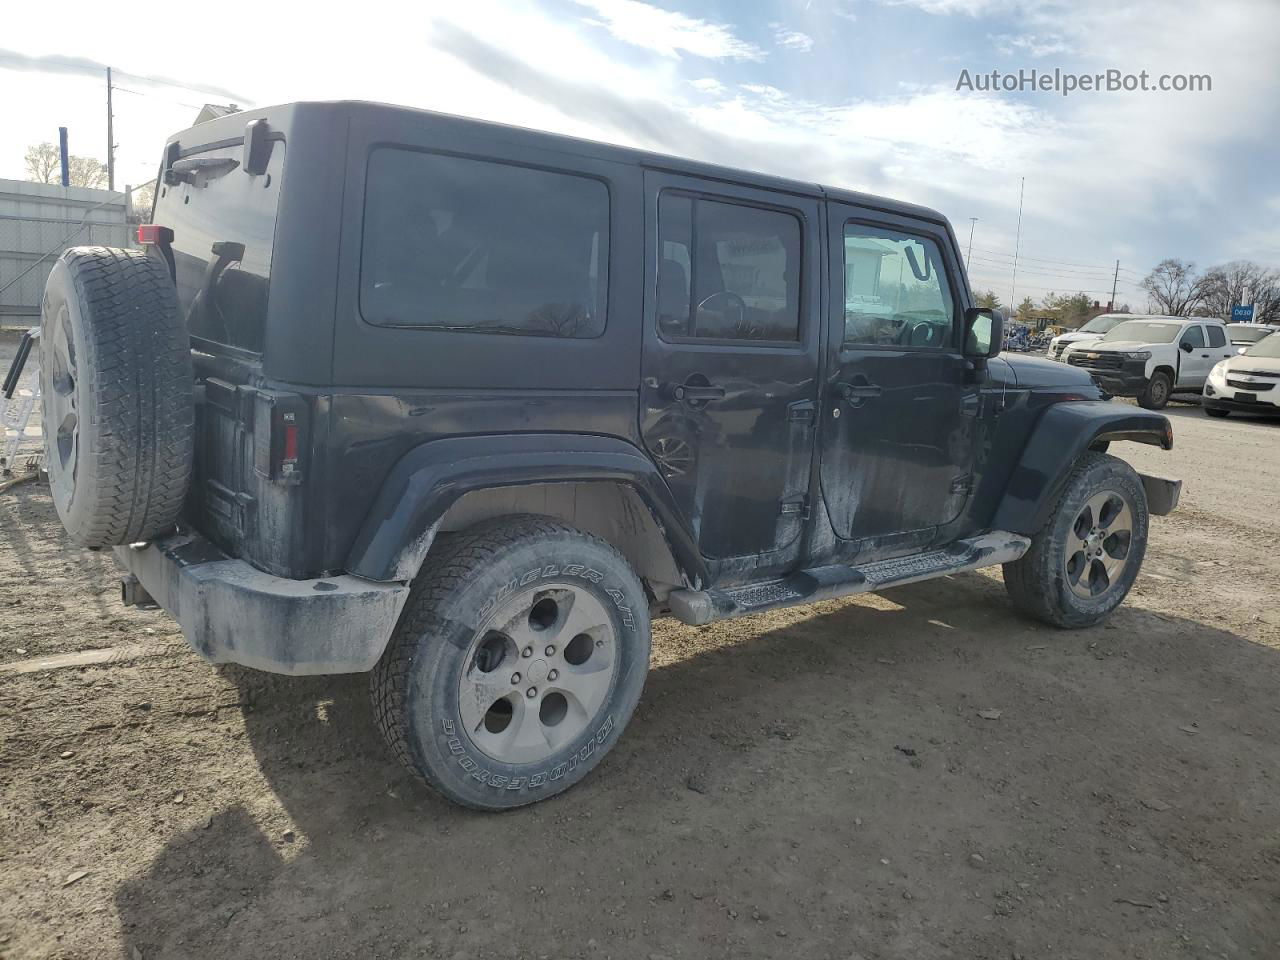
(1153, 357)
(1089, 332)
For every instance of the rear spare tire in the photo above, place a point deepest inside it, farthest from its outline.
(116, 395)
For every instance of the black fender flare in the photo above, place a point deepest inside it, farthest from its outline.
(430, 478)
(1062, 434)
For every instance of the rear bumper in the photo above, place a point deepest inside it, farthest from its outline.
(231, 612)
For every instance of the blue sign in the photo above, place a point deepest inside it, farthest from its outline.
(1242, 314)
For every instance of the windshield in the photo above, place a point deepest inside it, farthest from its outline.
(1143, 331)
(1268, 347)
(1246, 333)
(1100, 324)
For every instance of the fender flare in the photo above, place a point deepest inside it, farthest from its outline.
(401, 525)
(1062, 434)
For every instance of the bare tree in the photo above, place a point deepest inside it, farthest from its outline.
(144, 198)
(1238, 283)
(44, 165)
(1173, 287)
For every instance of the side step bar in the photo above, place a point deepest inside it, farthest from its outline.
(696, 607)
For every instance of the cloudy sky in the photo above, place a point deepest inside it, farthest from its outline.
(856, 93)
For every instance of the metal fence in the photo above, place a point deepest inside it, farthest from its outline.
(37, 222)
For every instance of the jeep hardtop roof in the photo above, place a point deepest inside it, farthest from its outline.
(222, 130)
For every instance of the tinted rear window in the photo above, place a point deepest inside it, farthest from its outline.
(483, 247)
(224, 224)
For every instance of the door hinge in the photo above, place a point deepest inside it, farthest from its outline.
(802, 411)
(795, 506)
(962, 484)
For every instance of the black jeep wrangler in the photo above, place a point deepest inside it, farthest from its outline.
(466, 406)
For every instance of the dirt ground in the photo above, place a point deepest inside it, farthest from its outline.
(812, 783)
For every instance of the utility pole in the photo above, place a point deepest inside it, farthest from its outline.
(111, 139)
(967, 256)
(1017, 245)
(1114, 281)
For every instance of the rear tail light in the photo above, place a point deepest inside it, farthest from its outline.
(154, 233)
(279, 439)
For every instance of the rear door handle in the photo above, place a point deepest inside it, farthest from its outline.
(696, 393)
(855, 391)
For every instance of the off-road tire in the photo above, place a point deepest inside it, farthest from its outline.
(117, 403)
(1037, 582)
(1217, 413)
(1155, 395)
(466, 576)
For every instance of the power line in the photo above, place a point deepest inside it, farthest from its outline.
(1064, 263)
(171, 83)
(1053, 273)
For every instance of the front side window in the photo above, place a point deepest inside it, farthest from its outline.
(727, 271)
(1217, 337)
(895, 290)
(469, 245)
(1194, 336)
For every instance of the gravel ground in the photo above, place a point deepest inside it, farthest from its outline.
(810, 783)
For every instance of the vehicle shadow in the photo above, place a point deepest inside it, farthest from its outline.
(919, 774)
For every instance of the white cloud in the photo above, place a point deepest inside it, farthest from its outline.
(709, 85)
(668, 33)
(791, 39)
(1029, 44)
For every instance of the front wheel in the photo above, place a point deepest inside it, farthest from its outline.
(518, 660)
(1082, 564)
(1156, 393)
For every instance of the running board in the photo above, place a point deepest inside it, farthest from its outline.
(696, 607)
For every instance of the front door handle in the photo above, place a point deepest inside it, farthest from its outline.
(696, 393)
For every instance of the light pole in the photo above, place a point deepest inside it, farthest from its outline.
(972, 222)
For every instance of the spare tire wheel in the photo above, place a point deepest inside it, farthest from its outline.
(116, 395)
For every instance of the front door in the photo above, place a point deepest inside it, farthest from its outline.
(900, 410)
(1196, 358)
(730, 364)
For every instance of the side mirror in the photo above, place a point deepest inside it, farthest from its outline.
(983, 333)
(1186, 347)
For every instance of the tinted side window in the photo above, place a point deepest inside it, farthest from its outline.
(1194, 336)
(895, 290)
(1217, 337)
(485, 247)
(727, 271)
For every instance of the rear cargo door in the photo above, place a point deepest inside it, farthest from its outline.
(223, 222)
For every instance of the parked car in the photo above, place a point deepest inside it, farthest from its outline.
(1154, 357)
(1247, 334)
(465, 406)
(1247, 383)
(1088, 332)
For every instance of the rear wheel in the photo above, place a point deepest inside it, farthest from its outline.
(1156, 393)
(1217, 413)
(1082, 564)
(518, 660)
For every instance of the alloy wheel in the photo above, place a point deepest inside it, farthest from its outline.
(537, 673)
(1098, 545)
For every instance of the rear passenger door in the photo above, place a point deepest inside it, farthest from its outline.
(900, 414)
(729, 377)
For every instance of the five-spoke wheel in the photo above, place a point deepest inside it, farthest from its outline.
(538, 673)
(518, 660)
(1099, 546)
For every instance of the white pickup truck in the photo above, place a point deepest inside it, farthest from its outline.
(1151, 358)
